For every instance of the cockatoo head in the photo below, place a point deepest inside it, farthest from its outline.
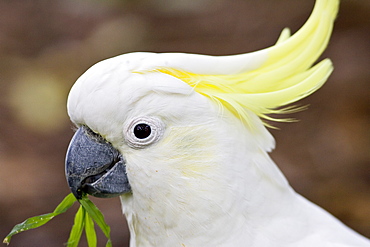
(131, 119)
(175, 134)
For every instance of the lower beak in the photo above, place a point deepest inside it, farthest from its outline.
(94, 166)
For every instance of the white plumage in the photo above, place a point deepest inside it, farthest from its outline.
(205, 179)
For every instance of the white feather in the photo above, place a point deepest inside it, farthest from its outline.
(209, 180)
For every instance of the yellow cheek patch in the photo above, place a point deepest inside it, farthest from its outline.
(190, 150)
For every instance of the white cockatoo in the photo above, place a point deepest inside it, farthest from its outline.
(181, 139)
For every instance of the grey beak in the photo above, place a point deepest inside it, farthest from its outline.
(94, 166)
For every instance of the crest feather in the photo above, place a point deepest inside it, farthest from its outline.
(285, 77)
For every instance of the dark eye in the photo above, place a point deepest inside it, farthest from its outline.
(142, 131)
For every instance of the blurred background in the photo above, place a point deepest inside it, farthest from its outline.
(45, 45)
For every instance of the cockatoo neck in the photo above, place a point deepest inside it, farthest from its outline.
(225, 189)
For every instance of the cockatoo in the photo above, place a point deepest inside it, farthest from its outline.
(181, 139)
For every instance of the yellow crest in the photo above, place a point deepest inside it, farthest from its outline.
(286, 75)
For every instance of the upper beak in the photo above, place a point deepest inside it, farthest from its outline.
(94, 166)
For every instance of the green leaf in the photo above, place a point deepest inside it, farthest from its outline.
(84, 219)
(97, 216)
(40, 220)
(30, 223)
(67, 202)
(90, 231)
(77, 228)
(109, 243)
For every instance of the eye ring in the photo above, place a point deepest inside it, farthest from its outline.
(142, 131)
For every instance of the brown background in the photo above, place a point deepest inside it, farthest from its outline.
(45, 45)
